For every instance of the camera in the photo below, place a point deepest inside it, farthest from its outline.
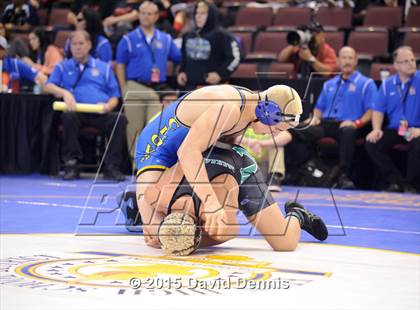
(304, 34)
(300, 37)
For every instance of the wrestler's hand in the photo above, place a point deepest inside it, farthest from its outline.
(151, 241)
(215, 219)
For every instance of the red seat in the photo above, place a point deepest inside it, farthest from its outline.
(369, 44)
(270, 42)
(375, 70)
(334, 17)
(413, 39)
(382, 16)
(335, 39)
(268, 45)
(281, 70)
(413, 17)
(258, 17)
(246, 40)
(245, 70)
(292, 17)
(61, 38)
(58, 17)
(43, 17)
(24, 37)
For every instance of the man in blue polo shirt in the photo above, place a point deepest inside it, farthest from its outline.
(84, 79)
(18, 70)
(141, 60)
(342, 111)
(399, 99)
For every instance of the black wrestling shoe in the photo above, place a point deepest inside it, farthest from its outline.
(113, 173)
(128, 204)
(71, 170)
(309, 222)
(345, 183)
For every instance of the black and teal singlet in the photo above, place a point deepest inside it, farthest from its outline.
(236, 161)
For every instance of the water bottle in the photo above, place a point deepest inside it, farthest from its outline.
(37, 89)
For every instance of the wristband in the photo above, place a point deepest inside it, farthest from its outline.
(358, 123)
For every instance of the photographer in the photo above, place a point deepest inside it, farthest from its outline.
(308, 51)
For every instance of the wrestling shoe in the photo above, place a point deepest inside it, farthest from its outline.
(128, 204)
(309, 222)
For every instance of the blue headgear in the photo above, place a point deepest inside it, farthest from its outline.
(268, 112)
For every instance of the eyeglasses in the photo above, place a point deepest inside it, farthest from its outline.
(290, 118)
(407, 61)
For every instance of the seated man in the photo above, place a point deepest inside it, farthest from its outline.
(83, 79)
(399, 100)
(238, 184)
(313, 56)
(16, 70)
(342, 111)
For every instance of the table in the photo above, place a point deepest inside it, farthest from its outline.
(28, 134)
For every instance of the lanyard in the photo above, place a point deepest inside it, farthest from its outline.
(79, 77)
(341, 81)
(404, 99)
(149, 47)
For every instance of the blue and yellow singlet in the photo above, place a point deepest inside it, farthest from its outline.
(158, 143)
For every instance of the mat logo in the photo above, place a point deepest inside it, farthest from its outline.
(115, 273)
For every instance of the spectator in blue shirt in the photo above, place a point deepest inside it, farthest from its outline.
(342, 111)
(18, 70)
(141, 59)
(91, 21)
(84, 79)
(399, 100)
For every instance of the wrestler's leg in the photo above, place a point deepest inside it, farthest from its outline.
(281, 233)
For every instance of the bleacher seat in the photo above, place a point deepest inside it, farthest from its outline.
(369, 44)
(24, 37)
(43, 17)
(61, 38)
(245, 70)
(380, 16)
(335, 39)
(245, 41)
(292, 17)
(413, 17)
(58, 17)
(413, 39)
(334, 17)
(268, 45)
(282, 70)
(254, 17)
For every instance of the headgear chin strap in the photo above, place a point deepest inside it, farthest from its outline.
(268, 112)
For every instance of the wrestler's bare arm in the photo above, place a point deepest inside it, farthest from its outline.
(204, 132)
